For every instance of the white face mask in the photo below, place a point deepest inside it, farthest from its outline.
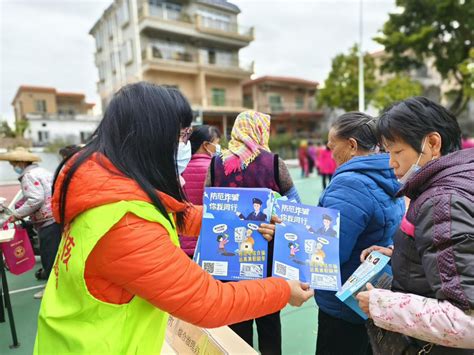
(414, 168)
(218, 149)
(184, 156)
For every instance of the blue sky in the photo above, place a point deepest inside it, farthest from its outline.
(46, 42)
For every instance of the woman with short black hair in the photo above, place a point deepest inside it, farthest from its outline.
(432, 297)
(363, 189)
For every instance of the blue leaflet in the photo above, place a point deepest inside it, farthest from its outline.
(229, 246)
(307, 245)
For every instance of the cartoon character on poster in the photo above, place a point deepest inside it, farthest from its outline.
(294, 248)
(257, 214)
(222, 239)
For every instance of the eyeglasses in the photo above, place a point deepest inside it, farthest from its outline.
(185, 134)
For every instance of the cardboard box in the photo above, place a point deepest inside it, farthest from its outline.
(185, 338)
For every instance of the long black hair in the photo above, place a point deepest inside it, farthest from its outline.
(201, 134)
(139, 134)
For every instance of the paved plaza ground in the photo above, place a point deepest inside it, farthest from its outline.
(299, 324)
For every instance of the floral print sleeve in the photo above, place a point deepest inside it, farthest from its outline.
(423, 318)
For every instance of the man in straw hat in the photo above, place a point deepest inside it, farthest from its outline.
(36, 184)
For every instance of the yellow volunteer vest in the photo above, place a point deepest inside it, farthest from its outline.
(71, 320)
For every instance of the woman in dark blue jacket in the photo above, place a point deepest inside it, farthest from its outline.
(363, 189)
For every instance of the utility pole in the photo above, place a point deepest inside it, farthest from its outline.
(361, 61)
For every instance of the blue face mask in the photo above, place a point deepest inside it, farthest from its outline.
(19, 170)
(183, 157)
(413, 169)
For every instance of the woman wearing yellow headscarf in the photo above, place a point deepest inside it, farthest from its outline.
(248, 162)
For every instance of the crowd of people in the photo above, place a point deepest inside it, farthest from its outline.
(128, 207)
(316, 158)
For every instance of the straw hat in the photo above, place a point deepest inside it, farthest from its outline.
(20, 154)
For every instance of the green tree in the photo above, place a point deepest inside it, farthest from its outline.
(438, 29)
(398, 88)
(20, 127)
(6, 131)
(467, 70)
(341, 88)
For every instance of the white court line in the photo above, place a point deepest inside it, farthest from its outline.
(26, 289)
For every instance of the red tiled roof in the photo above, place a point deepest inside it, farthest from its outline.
(30, 88)
(48, 90)
(282, 79)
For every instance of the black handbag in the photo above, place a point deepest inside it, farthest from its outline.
(385, 342)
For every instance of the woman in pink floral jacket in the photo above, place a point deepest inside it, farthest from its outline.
(432, 296)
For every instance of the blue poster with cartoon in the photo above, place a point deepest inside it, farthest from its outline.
(307, 245)
(229, 246)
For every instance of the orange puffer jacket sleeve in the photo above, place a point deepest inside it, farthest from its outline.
(192, 221)
(137, 257)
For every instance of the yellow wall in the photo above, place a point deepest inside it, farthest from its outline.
(28, 102)
(232, 87)
(186, 83)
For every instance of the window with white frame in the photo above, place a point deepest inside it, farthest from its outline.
(40, 106)
(127, 51)
(224, 58)
(215, 20)
(124, 13)
(170, 50)
(110, 27)
(101, 68)
(113, 64)
(99, 40)
(43, 136)
(166, 10)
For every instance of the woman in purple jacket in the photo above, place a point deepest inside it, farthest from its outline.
(430, 308)
(204, 145)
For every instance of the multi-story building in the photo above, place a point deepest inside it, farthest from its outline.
(49, 115)
(290, 102)
(434, 86)
(192, 45)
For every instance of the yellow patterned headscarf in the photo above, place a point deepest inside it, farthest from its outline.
(251, 132)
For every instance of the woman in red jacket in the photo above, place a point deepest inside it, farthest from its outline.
(204, 145)
(135, 263)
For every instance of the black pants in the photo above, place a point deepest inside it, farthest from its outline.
(326, 177)
(49, 239)
(338, 337)
(269, 333)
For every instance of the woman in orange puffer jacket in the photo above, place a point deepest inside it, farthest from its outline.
(118, 275)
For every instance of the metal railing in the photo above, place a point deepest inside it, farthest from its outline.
(278, 108)
(224, 102)
(224, 26)
(153, 51)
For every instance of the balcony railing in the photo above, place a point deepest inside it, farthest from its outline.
(223, 102)
(279, 108)
(201, 23)
(60, 117)
(156, 52)
(225, 26)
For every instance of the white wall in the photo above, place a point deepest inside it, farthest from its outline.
(66, 130)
